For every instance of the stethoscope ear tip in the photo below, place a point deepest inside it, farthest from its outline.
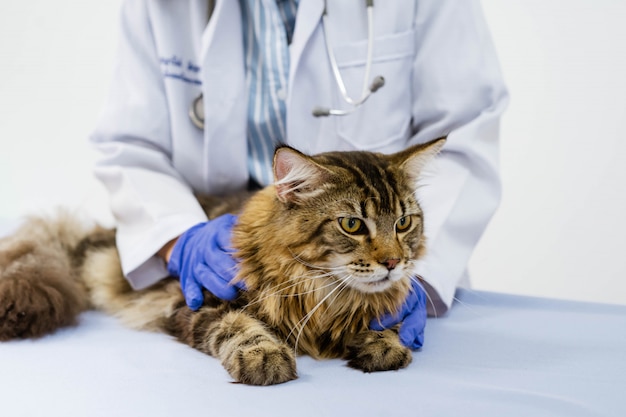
(377, 83)
(321, 112)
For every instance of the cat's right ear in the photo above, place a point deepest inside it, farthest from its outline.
(296, 176)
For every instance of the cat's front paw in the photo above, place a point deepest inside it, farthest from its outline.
(266, 363)
(378, 351)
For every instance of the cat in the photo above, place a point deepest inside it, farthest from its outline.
(327, 248)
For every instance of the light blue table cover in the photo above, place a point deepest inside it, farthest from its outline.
(491, 355)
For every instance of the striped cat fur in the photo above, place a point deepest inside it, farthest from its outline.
(326, 249)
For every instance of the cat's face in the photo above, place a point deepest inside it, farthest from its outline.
(372, 242)
(357, 212)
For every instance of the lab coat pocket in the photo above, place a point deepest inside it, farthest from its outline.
(383, 121)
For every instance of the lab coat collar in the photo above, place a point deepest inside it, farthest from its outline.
(224, 91)
(308, 18)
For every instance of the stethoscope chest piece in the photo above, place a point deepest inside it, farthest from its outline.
(196, 112)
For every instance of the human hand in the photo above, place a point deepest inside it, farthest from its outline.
(202, 258)
(412, 315)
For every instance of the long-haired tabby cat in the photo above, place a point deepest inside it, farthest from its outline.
(326, 249)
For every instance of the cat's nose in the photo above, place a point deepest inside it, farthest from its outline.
(390, 263)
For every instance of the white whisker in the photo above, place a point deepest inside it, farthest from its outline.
(475, 293)
(346, 282)
(277, 290)
(342, 286)
(312, 266)
(428, 297)
(302, 323)
(467, 306)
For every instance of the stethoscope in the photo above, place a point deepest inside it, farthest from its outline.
(196, 110)
(368, 88)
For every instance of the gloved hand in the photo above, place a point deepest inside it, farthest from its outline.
(412, 315)
(202, 258)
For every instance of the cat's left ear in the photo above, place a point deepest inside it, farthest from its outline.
(413, 159)
(296, 175)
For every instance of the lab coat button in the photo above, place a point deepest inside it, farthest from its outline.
(281, 94)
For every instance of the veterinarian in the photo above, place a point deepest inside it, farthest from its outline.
(197, 104)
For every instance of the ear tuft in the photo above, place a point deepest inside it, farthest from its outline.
(296, 176)
(414, 159)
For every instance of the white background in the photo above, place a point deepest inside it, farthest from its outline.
(561, 226)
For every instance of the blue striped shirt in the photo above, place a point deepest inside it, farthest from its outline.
(267, 30)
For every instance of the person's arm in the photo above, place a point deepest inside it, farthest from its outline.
(165, 252)
(150, 200)
(459, 92)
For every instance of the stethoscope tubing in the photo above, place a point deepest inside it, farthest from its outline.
(365, 92)
(368, 88)
(196, 109)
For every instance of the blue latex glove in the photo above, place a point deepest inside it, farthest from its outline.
(202, 258)
(412, 315)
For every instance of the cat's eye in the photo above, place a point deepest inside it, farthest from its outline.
(403, 224)
(352, 225)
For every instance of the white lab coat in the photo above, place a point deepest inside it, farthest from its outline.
(442, 77)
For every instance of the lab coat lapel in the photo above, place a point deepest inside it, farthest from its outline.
(308, 18)
(223, 88)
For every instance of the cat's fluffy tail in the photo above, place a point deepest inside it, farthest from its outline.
(52, 269)
(40, 285)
